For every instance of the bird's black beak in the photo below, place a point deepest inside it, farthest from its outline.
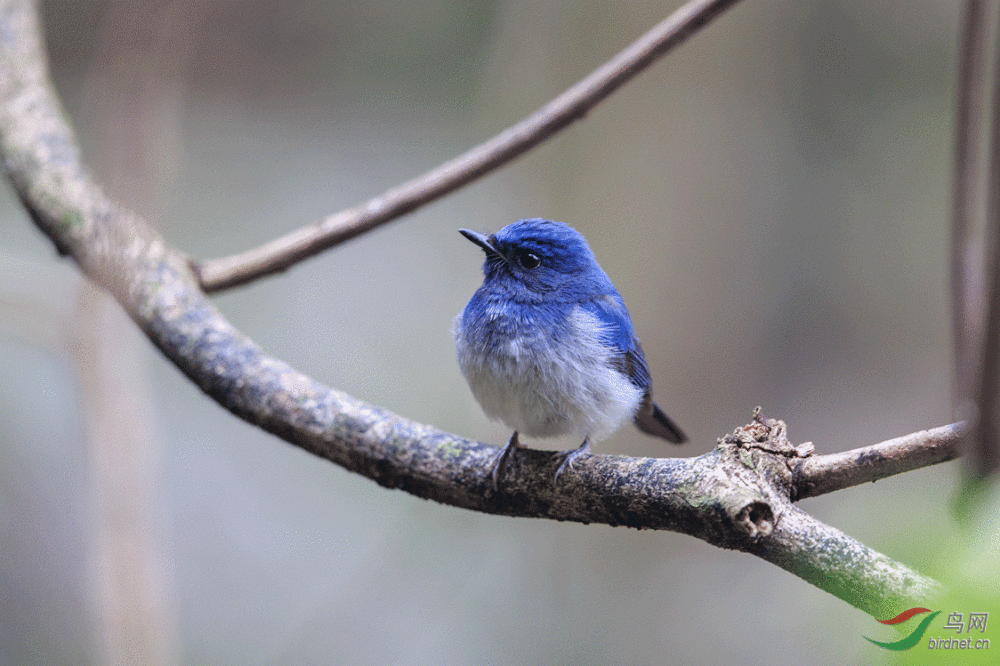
(482, 240)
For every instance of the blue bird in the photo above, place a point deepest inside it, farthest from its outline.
(547, 345)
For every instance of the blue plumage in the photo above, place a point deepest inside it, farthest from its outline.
(547, 344)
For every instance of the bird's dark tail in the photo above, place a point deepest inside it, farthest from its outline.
(651, 420)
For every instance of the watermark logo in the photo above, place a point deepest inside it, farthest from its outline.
(915, 635)
(973, 627)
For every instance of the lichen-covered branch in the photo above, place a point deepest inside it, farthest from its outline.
(737, 496)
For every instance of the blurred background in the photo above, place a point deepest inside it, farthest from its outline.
(772, 200)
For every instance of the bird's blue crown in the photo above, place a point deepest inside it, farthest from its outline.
(537, 256)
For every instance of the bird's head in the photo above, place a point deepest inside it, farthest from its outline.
(541, 259)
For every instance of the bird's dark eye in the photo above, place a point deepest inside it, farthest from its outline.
(527, 260)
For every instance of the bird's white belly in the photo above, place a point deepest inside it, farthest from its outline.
(543, 387)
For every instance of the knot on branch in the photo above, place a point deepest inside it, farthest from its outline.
(753, 477)
(756, 520)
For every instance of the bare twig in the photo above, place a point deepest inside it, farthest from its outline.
(817, 475)
(969, 179)
(281, 253)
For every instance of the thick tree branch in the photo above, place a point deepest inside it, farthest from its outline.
(737, 496)
(281, 253)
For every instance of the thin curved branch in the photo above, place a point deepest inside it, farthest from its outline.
(281, 253)
(736, 496)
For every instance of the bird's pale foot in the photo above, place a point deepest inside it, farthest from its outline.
(569, 457)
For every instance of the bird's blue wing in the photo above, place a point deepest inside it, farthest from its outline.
(617, 333)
